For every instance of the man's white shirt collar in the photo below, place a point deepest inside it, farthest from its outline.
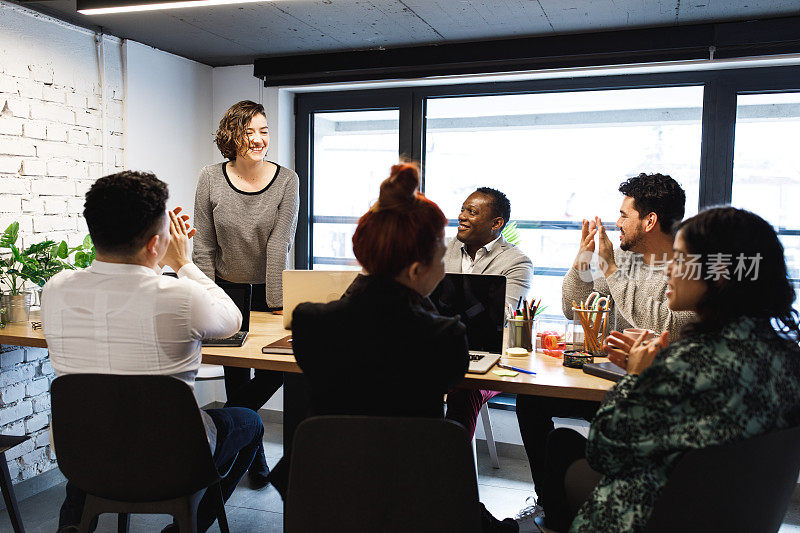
(467, 263)
(488, 247)
(101, 267)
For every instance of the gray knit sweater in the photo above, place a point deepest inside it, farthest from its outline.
(638, 291)
(245, 237)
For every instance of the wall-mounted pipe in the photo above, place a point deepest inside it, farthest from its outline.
(101, 66)
(124, 57)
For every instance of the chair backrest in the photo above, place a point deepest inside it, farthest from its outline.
(740, 486)
(355, 473)
(130, 438)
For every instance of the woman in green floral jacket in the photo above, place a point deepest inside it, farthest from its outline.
(735, 373)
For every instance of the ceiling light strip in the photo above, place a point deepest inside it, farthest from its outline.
(164, 5)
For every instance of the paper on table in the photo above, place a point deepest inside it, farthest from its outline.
(502, 372)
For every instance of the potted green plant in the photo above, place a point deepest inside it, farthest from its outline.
(17, 299)
(37, 263)
(49, 258)
(84, 254)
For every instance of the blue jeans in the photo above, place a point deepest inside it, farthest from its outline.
(239, 436)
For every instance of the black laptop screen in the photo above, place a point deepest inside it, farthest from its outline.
(480, 301)
(240, 293)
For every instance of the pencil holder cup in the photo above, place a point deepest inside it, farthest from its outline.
(590, 328)
(520, 333)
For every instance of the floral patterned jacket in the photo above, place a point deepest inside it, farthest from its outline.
(706, 390)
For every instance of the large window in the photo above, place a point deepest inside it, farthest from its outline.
(353, 151)
(558, 148)
(766, 170)
(560, 157)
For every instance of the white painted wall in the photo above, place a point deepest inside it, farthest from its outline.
(168, 119)
(231, 85)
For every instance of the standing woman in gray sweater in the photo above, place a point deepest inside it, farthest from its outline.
(245, 212)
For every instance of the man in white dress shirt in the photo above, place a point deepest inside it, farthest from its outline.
(120, 316)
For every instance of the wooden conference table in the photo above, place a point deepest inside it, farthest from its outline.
(551, 379)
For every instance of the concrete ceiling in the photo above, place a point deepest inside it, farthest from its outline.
(237, 34)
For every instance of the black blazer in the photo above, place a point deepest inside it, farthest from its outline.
(380, 350)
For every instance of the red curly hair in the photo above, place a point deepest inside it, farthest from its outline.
(401, 228)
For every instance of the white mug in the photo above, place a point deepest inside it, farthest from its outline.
(634, 333)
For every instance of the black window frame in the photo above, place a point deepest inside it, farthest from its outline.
(721, 88)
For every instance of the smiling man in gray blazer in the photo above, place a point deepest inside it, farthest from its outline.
(480, 249)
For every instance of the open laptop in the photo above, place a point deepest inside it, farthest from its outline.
(480, 301)
(318, 286)
(240, 294)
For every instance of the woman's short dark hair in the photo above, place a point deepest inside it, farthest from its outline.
(402, 227)
(659, 194)
(122, 211)
(741, 260)
(230, 138)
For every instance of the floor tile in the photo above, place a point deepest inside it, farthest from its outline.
(263, 499)
(513, 473)
(251, 521)
(502, 502)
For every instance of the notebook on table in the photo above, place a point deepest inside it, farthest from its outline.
(318, 286)
(240, 294)
(280, 346)
(480, 301)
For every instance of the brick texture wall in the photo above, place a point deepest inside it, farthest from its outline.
(50, 153)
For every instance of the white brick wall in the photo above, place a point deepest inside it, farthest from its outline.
(51, 146)
(25, 378)
(50, 153)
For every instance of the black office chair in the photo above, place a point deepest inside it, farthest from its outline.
(134, 444)
(354, 474)
(741, 486)
(6, 443)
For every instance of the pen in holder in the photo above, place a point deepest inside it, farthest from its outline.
(520, 333)
(590, 328)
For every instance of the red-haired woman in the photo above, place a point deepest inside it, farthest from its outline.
(385, 315)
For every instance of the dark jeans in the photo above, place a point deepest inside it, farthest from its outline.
(239, 435)
(240, 389)
(563, 497)
(535, 418)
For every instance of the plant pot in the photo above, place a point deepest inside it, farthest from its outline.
(18, 306)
